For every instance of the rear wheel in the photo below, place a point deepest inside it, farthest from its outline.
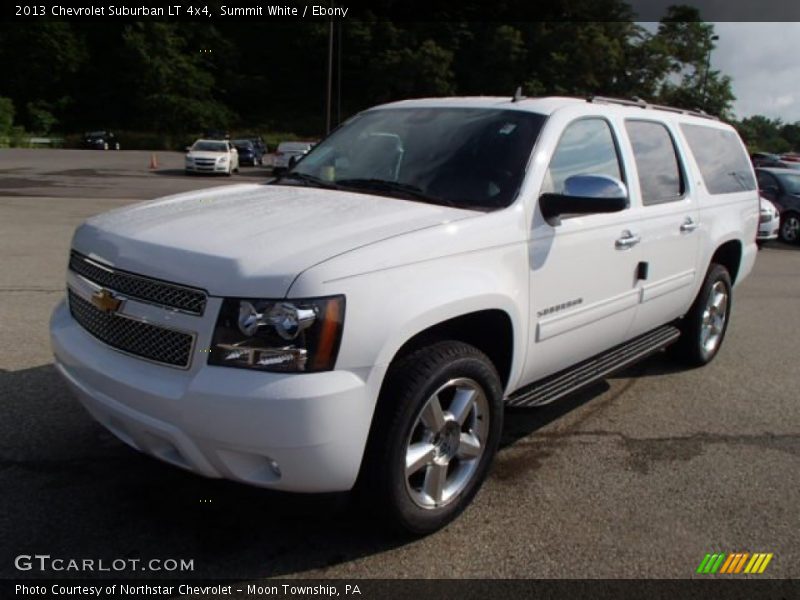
(434, 436)
(790, 228)
(704, 326)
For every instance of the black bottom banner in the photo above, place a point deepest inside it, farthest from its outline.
(416, 589)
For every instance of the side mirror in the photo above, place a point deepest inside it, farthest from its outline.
(188, 149)
(585, 195)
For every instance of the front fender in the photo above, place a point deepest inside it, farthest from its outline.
(386, 308)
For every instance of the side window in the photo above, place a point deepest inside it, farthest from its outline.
(660, 177)
(586, 148)
(721, 158)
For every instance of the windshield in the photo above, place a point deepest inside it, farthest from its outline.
(242, 143)
(466, 157)
(791, 182)
(210, 147)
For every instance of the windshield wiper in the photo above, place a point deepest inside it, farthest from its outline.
(402, 189)
(309, 180)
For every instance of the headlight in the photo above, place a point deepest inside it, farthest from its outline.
(222, 159)
(278, 335)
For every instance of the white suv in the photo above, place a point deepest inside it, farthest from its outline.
(362, 321)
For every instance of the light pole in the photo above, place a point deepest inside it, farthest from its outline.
(713, 39)
(329, 86)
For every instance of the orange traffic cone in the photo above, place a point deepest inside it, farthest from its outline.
(153, 161)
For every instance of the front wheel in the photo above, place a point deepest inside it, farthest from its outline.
(790, 228)
(704, 326)
(435, 433)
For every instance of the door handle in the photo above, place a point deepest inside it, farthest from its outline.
(689, 225)
(628, 240)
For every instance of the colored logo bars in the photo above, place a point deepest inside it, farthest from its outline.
(737, 562)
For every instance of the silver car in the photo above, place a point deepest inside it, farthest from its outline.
(288, 153)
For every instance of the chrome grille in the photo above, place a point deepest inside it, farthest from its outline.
(151, 342)
(186, 299)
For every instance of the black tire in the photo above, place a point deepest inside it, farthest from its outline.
(790, 228)
(410, 385)
(690, 348)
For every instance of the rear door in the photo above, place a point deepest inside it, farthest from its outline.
(668, 220)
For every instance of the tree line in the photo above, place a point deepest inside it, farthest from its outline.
(173, 78)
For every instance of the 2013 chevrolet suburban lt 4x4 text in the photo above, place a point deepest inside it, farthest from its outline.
(361, 322)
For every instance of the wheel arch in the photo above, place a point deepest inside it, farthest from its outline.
(729, 255)
(489, 330)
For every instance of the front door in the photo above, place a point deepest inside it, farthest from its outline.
(582, 271)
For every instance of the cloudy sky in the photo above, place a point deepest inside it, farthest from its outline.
(764, 61)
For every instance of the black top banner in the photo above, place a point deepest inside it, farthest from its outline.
(401, 10)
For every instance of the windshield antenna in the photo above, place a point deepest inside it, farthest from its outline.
(518, 94)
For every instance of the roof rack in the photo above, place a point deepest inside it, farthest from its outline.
(639, 103)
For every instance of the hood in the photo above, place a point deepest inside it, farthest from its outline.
(205, 154)
(249, 240)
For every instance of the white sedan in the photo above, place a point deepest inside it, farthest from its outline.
(769, 222)
(212, 156)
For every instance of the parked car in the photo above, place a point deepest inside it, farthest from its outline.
(248, 153)
(212, 156)
(288, 154)
(257, 141)
(100, 140)
(363, 320)
(782, 188)
(769, 222)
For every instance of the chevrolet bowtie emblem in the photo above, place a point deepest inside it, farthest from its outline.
(105, 301)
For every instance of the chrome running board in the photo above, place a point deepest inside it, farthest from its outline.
(570, 380)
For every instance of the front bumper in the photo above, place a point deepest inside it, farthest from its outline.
(768, 230)
(207, 168)
(222, 422)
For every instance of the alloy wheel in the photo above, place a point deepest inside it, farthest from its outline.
(446, 443)
(714, 317)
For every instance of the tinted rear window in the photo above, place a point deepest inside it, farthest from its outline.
(722, 160)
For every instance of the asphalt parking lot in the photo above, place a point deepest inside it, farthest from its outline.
(640, 476)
